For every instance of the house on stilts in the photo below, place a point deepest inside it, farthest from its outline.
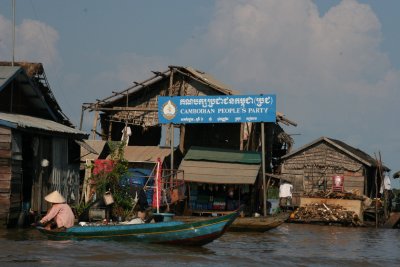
(38, 152)
(325, 166)
(134, 111)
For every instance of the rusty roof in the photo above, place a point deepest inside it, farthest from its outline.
(94, 149)
(220, 166)
(146, 153)
(29, 123)
(219, 172)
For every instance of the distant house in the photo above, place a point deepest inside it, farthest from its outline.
(311, 167)
(38, 152)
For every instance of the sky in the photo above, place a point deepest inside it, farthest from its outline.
(334, 65)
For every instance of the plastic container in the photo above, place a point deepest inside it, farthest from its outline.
(163, 217)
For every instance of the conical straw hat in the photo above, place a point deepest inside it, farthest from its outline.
(55, 197)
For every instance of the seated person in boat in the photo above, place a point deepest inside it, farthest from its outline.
(140, 207)
(60, 214)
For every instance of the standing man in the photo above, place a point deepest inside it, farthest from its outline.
(386, 190)
(285, 195)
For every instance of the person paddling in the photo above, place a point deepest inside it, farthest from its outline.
(60, 214)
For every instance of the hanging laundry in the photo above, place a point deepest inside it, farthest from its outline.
(126, 133)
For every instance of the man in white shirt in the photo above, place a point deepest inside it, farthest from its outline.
(285, 195)
(386, 191)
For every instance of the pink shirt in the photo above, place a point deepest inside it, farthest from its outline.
(62, 214)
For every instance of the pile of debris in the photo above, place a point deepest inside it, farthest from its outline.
(338, 195)
(326, 214)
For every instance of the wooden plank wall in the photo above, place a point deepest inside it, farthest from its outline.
(314, 168)
(5, 173)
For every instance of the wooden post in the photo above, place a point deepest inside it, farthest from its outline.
(384, 190)
(376, 198)
(167, 134)
(94, 125)
(81, 122)
(172, 145)
(263, 169)
(182, 138)
(241, 136)
(109, 130)
(171, 128)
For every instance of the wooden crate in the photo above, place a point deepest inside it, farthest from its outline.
(97, 214)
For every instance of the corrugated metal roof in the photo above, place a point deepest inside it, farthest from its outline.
(146, 153)
(18, 121)
(219, 172)
(96, 145)
(221, 166)
(223, 155)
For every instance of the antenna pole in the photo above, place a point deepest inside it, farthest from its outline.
(13, 33)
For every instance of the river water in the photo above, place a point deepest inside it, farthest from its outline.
(287, 245)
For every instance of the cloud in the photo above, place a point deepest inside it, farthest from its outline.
(327, 70)
(133, 67)
(34, 41)
(115, 73)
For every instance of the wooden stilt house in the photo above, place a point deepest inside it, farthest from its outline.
(312, 168)
(136, 108)
(38, 153)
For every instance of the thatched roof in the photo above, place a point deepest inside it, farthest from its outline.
(144, 111)
(31, 68)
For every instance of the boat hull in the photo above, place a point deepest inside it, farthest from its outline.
(173, 232)
(260, 224)
(247, 224)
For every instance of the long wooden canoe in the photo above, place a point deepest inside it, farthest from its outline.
(258, 224)
(173, 232)
(247, 224)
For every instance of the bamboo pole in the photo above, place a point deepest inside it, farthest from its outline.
(94, 125)
(384, 190)
(171, 82)
(81, 121)
(376, 198)
(263, 169)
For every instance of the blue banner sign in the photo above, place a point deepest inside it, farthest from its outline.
(216, 109)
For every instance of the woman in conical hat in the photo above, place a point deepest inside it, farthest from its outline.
(60, 214)
(55, 197)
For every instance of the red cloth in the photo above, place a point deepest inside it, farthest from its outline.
(157, 184)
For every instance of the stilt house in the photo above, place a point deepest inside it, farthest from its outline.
(136, 108)
(38, 153)
(313, 166)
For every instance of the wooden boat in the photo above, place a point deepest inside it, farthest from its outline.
(258, 224)
(247, 224)
(171, 232)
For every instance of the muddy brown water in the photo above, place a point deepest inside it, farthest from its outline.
(287, 245)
